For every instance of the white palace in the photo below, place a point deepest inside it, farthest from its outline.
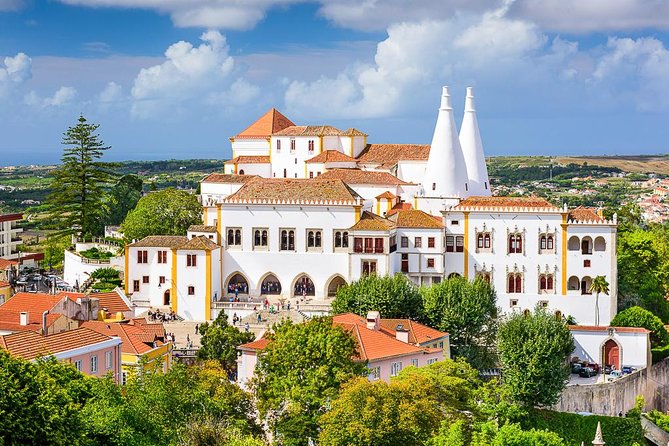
(303, 210)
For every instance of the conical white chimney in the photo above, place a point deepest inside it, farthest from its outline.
(472, 149)
(446, 172)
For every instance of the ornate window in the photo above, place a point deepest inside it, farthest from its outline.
(287, 240)
(514, 283)
(546, 284)
(515, 243)
(234, 236)
(314, 239)
(292, 145)
(546, 243)
(341, 239)
(311, 146)
(459, 243)
(260, 239)
(483, 242)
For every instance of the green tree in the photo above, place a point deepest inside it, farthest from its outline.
(41, 402)
(641, 273)
(380, 414)
(166, 212)
(123, 198)
(300, 372)
(468, 312)
(393, 296)
(79, 183)
(513, 435)
(598, 285)
(220, 341)
(533, 349)
(640, 317)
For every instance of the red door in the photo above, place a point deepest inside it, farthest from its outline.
(612, 354)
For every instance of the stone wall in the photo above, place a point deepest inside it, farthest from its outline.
(619, 396)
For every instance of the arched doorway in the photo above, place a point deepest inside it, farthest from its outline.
(336, 283)
(586, 282)
(237, 284)
(586, 245)
(611, 354)
(304, 286)
(166, 298)
(270, 285)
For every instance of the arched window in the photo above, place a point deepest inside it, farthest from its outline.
(337, 239)
(304, 287)
(238, 236)
(574, 243)
(573, 283)
(479, 241)
(600, 244)
(287, 240)
(515, 243)
(260, 238)
(263, 239)
(231, 237)
(586, 246)
(234, 237)
(542, 241)
(486, 241)
(291, 240)
(241, 172)
(515, 283)
(256, 237)
(546, 283)
(310, 239)
(550, 242)
(318, 239)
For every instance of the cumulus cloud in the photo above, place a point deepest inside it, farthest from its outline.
(61, 97)
(13, 72)
(188, 74)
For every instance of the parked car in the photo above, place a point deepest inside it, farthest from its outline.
(615, 374)
(576, 367)
(628, 369)
(608, 368)
(587, 372)
(593, 365)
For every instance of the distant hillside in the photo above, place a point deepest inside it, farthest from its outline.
(640, 163)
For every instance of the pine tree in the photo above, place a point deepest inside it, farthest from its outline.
(80, 182)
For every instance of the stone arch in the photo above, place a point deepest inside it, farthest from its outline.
(611, 353)
(600, 244)
(574, 243)
(269, 285)
(586, 245)
(237, 281)
(333, 284)
(586, 282)
(573, 284)
(166, 298)
(302, 285)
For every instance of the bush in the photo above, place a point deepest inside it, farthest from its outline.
(660, 353)
(640, 317)
(574, 428)
(660, 419)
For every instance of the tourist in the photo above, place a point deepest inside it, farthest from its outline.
(259, 318)
(247, 327)
(196, 327)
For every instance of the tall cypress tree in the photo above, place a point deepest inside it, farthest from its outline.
(80, 182)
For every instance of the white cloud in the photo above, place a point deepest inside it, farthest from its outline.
(62, 97)
(17, 69)
(10, 5)
(189, 74)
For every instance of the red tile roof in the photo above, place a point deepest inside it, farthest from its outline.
(136, 339)
(331, 156)
(287, 190)
(247, 159)
(5, 264)
(112, 302)
(418, 333)
(10, 217)
(30, 345)
(357, 176)
(258, 344)
(3, 284)
(386, 194)
(415, 219)
(309, 130)
(505, 202)
(399, 207)
(604, 329)
(269, 123)
(228, 178)
(372, 222)
(583, 214)
(390, 154)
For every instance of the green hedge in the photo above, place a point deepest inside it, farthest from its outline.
(659, 353)
(574, 428)
(660, 419)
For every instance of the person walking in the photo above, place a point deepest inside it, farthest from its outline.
(247, 327)
(196, 328)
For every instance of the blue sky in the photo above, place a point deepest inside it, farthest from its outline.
(175, 79)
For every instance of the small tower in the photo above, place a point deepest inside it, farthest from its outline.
(445, 181)
(472, 149)
(599, 440)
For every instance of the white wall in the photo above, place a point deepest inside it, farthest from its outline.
(411, 171)
(76, 269)
(634, 347)
(152, 292)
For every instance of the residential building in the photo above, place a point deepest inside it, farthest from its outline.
(613, 346)
(10, 235)
(386, 345)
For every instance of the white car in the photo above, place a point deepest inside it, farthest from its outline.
(615, 374)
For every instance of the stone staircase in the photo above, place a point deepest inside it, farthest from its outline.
(269, 319)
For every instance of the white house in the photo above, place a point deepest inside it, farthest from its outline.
(614, 346)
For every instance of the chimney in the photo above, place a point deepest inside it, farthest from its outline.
(472, 149)
(23, 318)
(374, 320)
(44, 322)
(401, 334)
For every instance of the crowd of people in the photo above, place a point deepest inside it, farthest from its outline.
(160, 316)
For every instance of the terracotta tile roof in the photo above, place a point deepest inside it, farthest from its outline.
(357, 176)
(3, 284)
(402, 206)
(505, 202)
(112, 302)
(30, 345)
(353, 132)
(583, 214)
(269, 123)
(10, 321)
(161, 241)
(387, 194)
(415, 219)
(136, 340)
(374, 345)
(286, 190)
(418, 333)
(156, 328)
(392, 153)
(258, 344)
(34, 303)
(6, 263)
(199, 243)
(228, 178)
(202, 228)
(247, 159)
(372, 222)
(309, 130)
(331, 156)
(604, 329)
(10, 217)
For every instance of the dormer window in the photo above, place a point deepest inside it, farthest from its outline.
(434, 186)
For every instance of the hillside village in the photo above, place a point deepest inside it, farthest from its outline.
(314, 231)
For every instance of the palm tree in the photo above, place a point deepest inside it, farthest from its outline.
(599, 285)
